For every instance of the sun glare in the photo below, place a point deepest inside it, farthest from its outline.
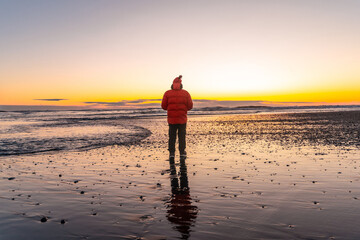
(249, 78)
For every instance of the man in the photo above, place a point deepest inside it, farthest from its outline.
(177, 102)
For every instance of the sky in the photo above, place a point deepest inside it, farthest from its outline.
(111, 52)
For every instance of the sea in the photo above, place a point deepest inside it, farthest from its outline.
(35, 131)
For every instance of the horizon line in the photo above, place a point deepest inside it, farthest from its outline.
(198, 104)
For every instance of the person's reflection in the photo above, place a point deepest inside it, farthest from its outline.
(180, 211)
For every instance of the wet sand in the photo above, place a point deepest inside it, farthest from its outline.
(266, 176)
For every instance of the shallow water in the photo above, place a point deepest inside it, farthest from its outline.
(35, 132)
(246, 177)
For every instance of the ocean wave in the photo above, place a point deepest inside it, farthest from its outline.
(21, 137)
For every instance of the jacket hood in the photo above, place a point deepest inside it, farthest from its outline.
(176, 83)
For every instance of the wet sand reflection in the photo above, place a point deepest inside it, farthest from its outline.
(180, 211)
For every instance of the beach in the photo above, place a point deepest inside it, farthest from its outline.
(247, 176)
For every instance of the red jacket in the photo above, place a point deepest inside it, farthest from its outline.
(177, 102)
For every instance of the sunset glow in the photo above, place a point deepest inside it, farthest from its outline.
(111, 51)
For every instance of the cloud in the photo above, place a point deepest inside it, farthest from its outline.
(198, 103)
(219, 103)
(128, 103)
(51, 99)
(273, 103)
(142, 100)
(115, 104)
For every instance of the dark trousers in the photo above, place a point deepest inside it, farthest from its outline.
(180, 129)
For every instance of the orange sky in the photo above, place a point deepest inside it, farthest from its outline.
(109, 51)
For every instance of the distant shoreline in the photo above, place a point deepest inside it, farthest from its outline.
(35, 108)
